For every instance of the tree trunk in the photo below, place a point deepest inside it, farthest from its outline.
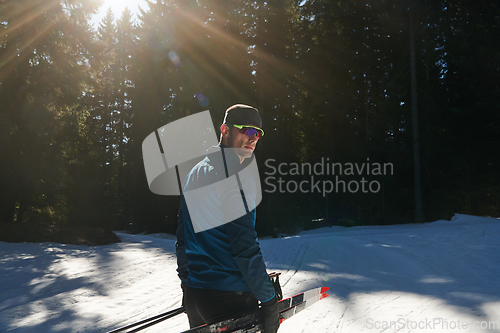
(419, 216)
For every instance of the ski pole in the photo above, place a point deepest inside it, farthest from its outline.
(150, 321)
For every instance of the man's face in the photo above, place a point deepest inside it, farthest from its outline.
(243, 144)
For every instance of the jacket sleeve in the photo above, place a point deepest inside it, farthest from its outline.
(246, 252)
(182, 260)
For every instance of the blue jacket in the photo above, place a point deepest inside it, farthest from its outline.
(227, 257)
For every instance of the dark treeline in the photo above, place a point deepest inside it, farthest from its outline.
(332, 80)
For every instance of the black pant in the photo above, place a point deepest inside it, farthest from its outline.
(206, 306)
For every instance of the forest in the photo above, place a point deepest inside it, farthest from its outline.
(374, 112)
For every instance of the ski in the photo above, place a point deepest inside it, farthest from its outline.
(145, 323)
(311, 296)
(297, 306)
(252, 322)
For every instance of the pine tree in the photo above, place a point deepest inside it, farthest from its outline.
(44, 47)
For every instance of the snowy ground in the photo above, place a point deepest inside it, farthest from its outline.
(435, 277)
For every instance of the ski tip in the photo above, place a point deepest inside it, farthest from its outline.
(323, 296)
(324, 289)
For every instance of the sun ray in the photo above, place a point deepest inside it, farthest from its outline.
(217, 33)
(22, 21)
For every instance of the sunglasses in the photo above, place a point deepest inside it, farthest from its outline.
(249, 130)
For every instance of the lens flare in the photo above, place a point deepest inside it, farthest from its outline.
(174, 58)
(202, 100)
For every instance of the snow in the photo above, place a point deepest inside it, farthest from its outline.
(433, 277)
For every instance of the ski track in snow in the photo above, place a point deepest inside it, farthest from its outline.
(406, 278)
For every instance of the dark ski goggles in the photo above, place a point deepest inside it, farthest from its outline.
(249, 130)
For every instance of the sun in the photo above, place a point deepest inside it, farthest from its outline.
(117, 6)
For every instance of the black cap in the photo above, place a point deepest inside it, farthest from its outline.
(241, 114)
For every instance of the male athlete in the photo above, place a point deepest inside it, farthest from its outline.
(221, 267)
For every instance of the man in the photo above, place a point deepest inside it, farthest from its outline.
(221, 267)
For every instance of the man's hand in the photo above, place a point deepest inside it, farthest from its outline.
(271, 315)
